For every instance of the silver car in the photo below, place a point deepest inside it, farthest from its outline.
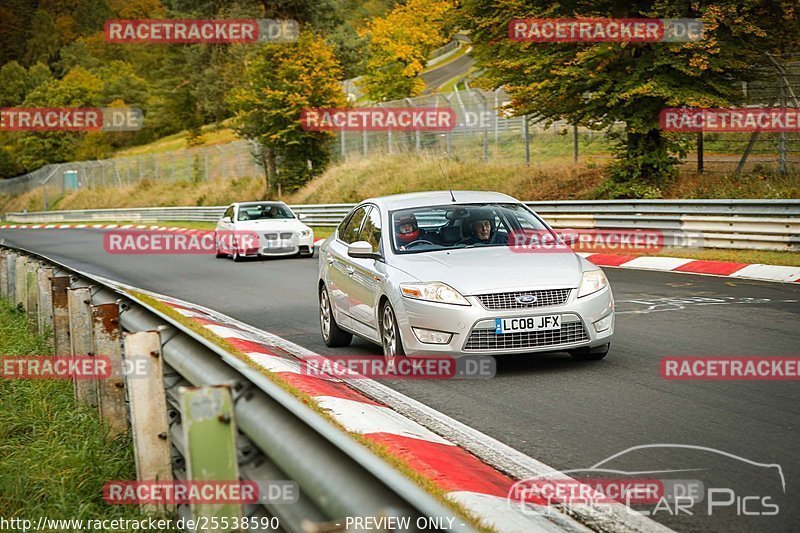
(444, 273)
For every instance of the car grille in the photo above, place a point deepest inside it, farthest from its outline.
(487, 339)
(507, 300)
(273, 236)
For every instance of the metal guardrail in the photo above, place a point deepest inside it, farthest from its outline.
(279, 438)
(738, 224)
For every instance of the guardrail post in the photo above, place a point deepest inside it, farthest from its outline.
(148, 408)
(61, 345)
(20, 282)
(3, 274)
(45, 304)
(209, 435)
(110, 391)
(32, 292)
(80, 338)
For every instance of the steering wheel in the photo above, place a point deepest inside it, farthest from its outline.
(418, 241)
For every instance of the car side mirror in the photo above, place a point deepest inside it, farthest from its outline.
(226, 219)
(302, 216)
(362, 250)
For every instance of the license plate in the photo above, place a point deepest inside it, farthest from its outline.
(527, 323)
(278, 244)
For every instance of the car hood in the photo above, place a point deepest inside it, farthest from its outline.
(477, 271)
(288, 224)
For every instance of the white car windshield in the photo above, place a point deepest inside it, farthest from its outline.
(263, 211)
(430, 228)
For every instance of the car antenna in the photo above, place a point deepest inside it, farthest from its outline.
(445, 177)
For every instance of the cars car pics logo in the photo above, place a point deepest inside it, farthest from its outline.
(660, 491)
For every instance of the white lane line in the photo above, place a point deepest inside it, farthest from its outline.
(365, 418)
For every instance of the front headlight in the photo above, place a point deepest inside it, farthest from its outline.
(305, 233)
(593, 281)
(433, 292)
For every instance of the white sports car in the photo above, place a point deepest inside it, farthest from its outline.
(262, 229)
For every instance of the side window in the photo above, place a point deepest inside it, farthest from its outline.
(371, 232)
(350, 233)
(229, 213)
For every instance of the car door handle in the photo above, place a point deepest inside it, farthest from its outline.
(329, 260)
(350, 270)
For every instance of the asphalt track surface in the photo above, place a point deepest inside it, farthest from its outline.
(567, 414)
(441, 75)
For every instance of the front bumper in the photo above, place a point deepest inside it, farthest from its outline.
(472, 327)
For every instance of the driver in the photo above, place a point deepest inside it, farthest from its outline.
(482, 224)
(407, 230)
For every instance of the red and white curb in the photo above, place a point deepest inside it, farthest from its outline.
(463, 476)
(785, 274)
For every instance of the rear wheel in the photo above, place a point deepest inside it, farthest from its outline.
(332, 334)
(590, 354)
(390, 335)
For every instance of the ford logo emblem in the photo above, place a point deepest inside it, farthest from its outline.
(526, 299)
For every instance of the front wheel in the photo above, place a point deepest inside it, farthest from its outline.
(390, 335)
(590, 354)
(332, 334)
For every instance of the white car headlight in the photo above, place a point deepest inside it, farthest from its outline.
(305, 233)
(593, 281)
(434, 291)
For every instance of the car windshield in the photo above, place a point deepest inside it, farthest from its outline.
(444, 227)
(263, 211)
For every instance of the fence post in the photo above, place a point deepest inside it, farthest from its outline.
(496, 116)
(364, 143)
(342, 151)
(80, 338)
(45, 303)
(32, 292)
(3, 274)
(575, 143)
(209, 435)
(526, 135)
(20, 282)
(148, 409)
(782, 147)
(110, 391)
(11, 277)
(485, 126)
(700, 156)
(58, 287)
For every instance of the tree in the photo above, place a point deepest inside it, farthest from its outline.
(13, 86)
(597, 84)
(399, 45)
(279, 82)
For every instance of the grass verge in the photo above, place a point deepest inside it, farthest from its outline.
(55, 457)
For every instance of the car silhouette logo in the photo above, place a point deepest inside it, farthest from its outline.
(526, 299)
